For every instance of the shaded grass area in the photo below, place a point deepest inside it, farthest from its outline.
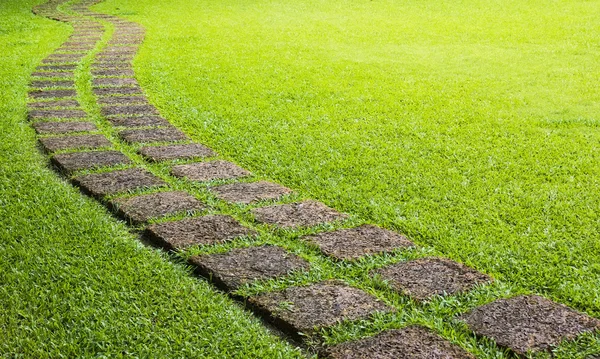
(73, 281)
(471, 126)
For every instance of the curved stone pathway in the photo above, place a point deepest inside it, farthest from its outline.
(522, 323)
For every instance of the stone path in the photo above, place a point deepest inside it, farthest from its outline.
(75, 144)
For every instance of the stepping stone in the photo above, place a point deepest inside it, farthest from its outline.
(102, 184)
(305, 309)
(115, 57)
(357, 242)
(63, 127)
(52, 144)
(51, 104)
(176, 152)
(62, 74)
(52, 93)
(413, 342)
(77, 161)
(41, 114)
(114, 82)
(124, 72)
(140, 209)
(153, 135)
(303, 214)
(109, 91)
(111, 66)
(189, 232)
(56, 68)
(424, 278)
(56, 56)
(129, 110)
(138, 121)
(250, 192)
(233, 269)
(209, 171)
(123, 100)
(528, 323)
(48, 84)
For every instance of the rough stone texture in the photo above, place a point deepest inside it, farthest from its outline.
(244, 265)
(413, 342)
(52, 144)
(63, 127)
(40, 114)
(102, 184)
(302, 309)
(52, 104)
(152, 135)
(56, 68)
(122, 72)
(123, 100)
(138, 121)
(109, 91)
(354, 243)
(111, 66)
(423, 278)
(49, 84)
(129, 110)
(528, 323)
(250, 192)
(140, 209)
(173, 152)
(52, 93)
(61, 74)
(303, 214)
(209, 171)
(114, 82)
(188, 232)
(76, 161)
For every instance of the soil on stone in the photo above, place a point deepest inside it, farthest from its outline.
(413, 342)
(77, 161)
(114, 82)
(209, 171)
(62, 74)
(50, 84)
(152, 135)
(303, 214)
(528, 323)
(357, 242)
(233, 269)
(302, 309)
(109, 91)
(138, 121)
(172, 152)
(125, 72)
(52, 93)
(52, 144)
(109, 66)
(188, 232)
(250, 192)
(424, 278)
(140, 209)
(129, 110)
(40, 114)
(123, 100)
(53, 104)
(102, 184)
(63, 127)
(57, 68)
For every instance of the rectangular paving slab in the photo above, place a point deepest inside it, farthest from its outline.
(128, 110)
(424, 278)
(52, 104)
(209, 171)
(137, 121)
(121, 72)
(102, 184)
(56, 68)
(115, 91)
(62, 113)
(303, 214)
(239, 266)
(63, 127)
(166, 134)
(250, 192)
(353, 243)
(140, 209)
(413, 342)
(123, 100)
(114, 82)
(52, 144)
(76, 161)
(52, 93)
(60, 74)
(528, 323)
(174, 152)
(304, 309)
(189, 232)
(48, 84)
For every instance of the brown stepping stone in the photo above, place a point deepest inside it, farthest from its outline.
(138, 121)
(152, 135)
(424, 278)
(244, 265)
(114, 82)
(354, 243)
(528, 323)
(122, 72)
(56, 56)
(52, 144)
(51, 104)
(302, 309)
(77, 161)
(63, 127)
(140, 209)
(56, 68)
(109, 91)
(111, 66)
(102, 184)
(121, 50)
(188, 232)
(62, 74)
(209, 171)
(250, 192)
(303, 214)
(52, 93)
(123, 100)
(40, 114)
(48, 84)
(413, 342)
(129, 110)
(174, 152)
